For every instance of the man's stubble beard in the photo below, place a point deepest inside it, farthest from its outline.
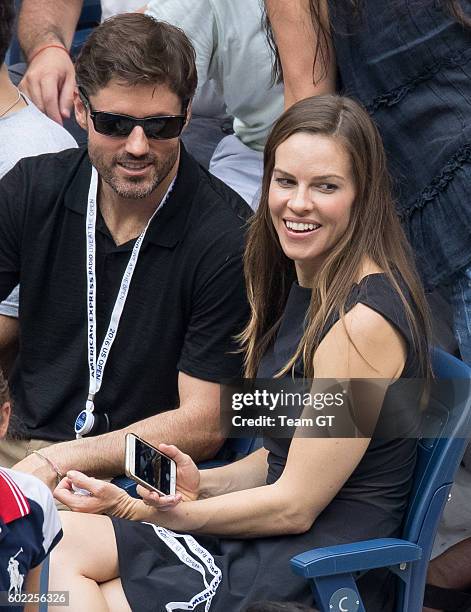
(135, 188)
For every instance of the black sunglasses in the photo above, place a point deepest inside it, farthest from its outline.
(161, 127)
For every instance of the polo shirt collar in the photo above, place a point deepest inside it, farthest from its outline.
(169, 225)
(14, 504)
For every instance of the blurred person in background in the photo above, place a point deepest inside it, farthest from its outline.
(234, 75)
(46, 28)
(24, 131)
(409, 64)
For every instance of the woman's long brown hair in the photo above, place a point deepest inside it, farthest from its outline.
(374, 231)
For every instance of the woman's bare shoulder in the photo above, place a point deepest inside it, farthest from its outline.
(363, 344)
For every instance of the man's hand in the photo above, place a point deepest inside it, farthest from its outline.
(49, 82)
(39, 467)
(103, 498)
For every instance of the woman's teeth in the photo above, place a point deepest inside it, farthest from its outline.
(301, 227)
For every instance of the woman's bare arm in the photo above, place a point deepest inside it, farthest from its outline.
(367, 347)
(304, 74)
(250, 472)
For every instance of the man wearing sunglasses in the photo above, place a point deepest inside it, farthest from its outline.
(129, 257)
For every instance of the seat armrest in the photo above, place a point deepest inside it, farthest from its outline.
(357, 556)
(123, 482)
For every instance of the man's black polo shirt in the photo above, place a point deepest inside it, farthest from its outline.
(185, 303)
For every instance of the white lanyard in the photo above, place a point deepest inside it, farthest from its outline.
(170, 539)
(97, 363)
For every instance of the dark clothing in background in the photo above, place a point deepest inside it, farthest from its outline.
(409, 64)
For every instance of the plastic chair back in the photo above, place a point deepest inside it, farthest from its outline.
(89, 18)
(448, 423)
(14, 54)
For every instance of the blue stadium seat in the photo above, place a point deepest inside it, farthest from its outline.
(14, 55)
(332, 570)
(89, 19)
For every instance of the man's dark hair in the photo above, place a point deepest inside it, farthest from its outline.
(133, 49)
(7, 19)
(275, 606)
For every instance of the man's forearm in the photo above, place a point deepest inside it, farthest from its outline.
(194, 430)
(43, 22)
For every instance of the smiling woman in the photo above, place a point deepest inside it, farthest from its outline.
(310, 199)
(333, 294)
(325, 168)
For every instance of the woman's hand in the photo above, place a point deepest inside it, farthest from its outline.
(188, 481)
(102, 498)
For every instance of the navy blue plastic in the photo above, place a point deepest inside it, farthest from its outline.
(130, 486)
(232, 449)
(89, 18)
(14, 55)
(324, 587)
(44, 582)
(346, 558)
(438, 460)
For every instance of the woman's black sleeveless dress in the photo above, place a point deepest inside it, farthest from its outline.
(158, 570)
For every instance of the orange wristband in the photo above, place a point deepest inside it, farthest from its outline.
(41, 49)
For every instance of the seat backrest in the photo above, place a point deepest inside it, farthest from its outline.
(89, 18)
(236, 448)
(90, 15)
(14, 55)
(447, 427)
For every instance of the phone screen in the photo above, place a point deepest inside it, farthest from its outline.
(152, 467)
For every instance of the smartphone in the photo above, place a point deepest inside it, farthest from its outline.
(149, 467)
